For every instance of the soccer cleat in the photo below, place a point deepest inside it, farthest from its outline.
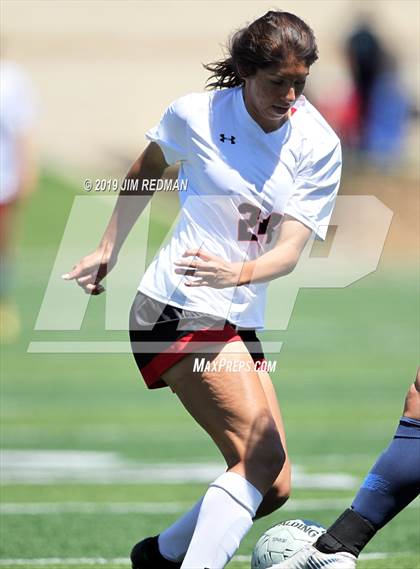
(310, 558)
(146, 555)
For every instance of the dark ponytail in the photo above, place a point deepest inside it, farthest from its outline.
(270, 40)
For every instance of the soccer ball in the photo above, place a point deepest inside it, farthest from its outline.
(282, 541)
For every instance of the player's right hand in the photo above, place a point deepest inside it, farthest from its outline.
(90, 270)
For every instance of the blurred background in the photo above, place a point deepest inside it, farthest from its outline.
(104, 71)
(97, 459)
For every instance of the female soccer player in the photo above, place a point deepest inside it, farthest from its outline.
(18, 168)
(262, 169)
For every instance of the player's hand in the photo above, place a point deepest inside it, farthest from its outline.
(207, 269)
(90, 270)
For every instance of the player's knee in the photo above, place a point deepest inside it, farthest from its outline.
(257, 448)
(412, 400)
(268, 456)
(417, 381)
(276, 458)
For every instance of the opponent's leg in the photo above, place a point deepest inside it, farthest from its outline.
(233, 409)
(412, 400)
(392, 483)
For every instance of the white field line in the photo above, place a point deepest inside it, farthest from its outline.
(41, 508)
(16, 508)
(124, 560)
(66, 561)
(92, 467)
(34, 509)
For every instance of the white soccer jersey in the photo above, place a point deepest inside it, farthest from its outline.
(240, 182)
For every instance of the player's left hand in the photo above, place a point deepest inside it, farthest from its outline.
(208, 270)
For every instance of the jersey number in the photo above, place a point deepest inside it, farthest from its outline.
(251, 225)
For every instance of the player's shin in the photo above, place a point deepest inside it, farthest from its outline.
(390, 486)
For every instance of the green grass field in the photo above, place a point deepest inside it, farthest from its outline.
(347, 360)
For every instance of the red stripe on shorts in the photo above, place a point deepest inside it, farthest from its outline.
(153, 370)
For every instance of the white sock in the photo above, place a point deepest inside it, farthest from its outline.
(174, 541)
(225, 517)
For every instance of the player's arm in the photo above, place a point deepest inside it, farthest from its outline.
(215, 272)
(90, 270)
(282, 259)
(150, 165)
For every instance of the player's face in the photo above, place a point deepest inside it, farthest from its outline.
(270, 93)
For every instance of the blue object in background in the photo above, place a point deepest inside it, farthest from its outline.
(387, 120)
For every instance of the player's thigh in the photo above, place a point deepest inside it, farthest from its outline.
(230, 405)
(283, 480)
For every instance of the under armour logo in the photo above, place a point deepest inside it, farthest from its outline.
(231, 138)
